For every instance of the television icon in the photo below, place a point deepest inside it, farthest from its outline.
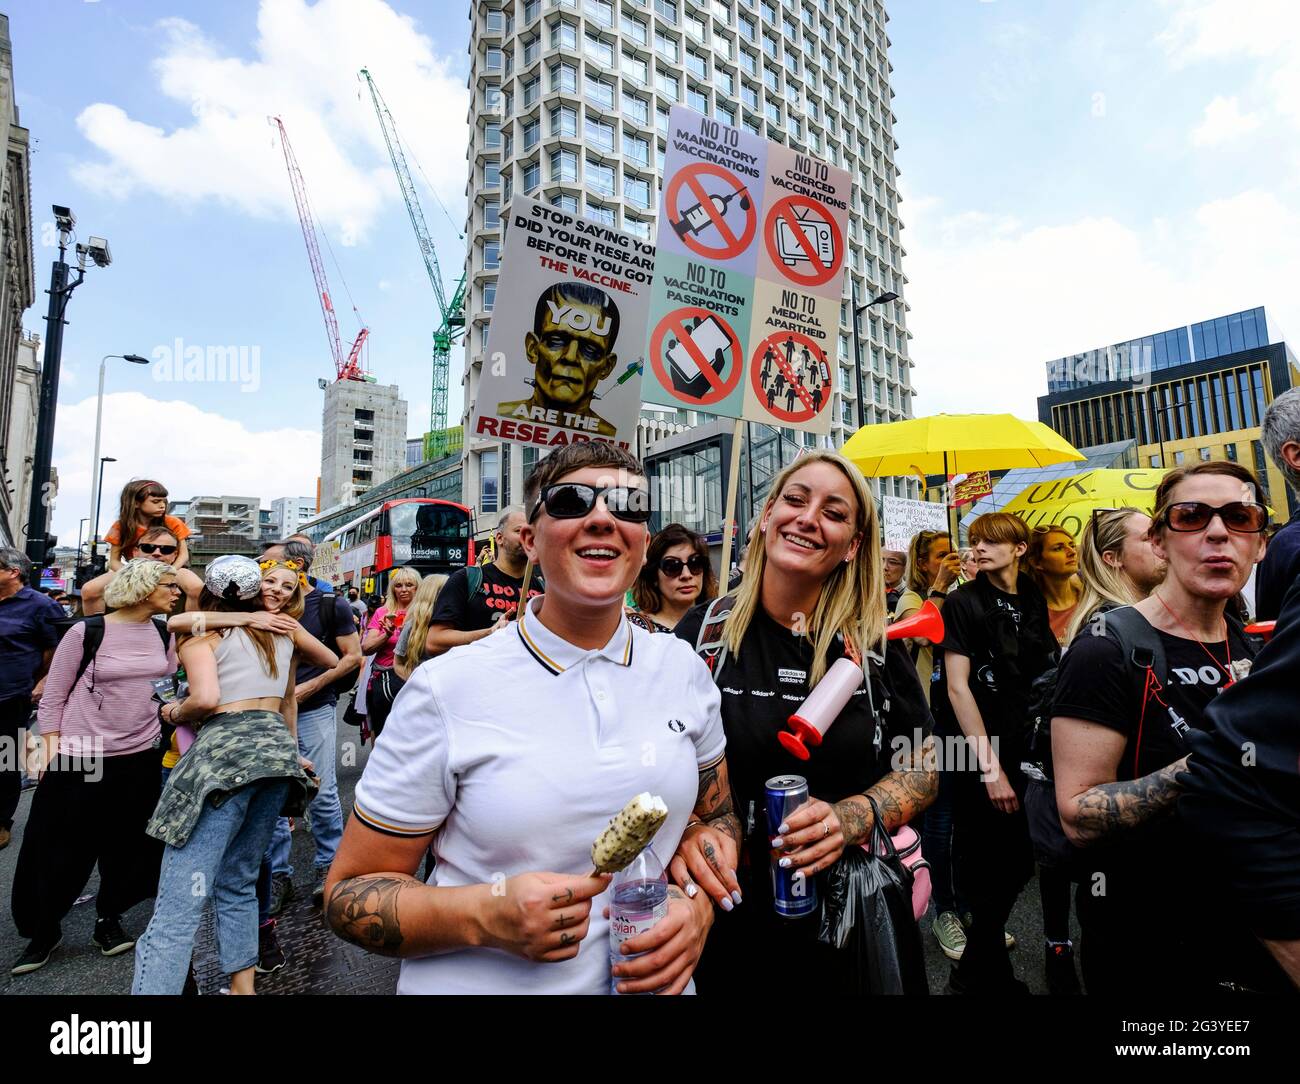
(818, 234)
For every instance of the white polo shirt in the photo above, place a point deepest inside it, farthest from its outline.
(519, 748)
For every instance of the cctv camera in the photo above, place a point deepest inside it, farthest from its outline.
(64, 219)
(97, 249)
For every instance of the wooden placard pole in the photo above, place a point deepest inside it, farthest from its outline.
(729, 513)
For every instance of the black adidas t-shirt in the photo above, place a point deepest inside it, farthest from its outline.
(1097, 683)
(766, 683)
(499, 594)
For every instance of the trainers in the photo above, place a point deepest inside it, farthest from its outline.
(1009, 937)
(318, 889)
(111, 938)
(270, 956)
(281, 892)
(950, 934)
(1058, 966)
(36, 956)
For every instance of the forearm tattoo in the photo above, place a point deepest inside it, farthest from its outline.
(1112, 808)
(713, 802)
(363, 910)
(900, 796)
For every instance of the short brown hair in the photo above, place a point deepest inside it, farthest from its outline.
(158, 532)
(645, 592)
(1001, 527)
(574, 457)
(1222, 467)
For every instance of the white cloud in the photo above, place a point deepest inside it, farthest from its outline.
(989, 308)
(302, 68)
(1223, 122)
(190, 450)
(1213, 29)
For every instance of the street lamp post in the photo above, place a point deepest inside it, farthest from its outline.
(135, 359)
(94, 527)
(81, 528)
(883, 299)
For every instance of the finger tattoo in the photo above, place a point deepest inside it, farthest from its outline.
(567, 939)
(566, 896)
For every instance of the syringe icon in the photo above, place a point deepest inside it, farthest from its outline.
(696, 219)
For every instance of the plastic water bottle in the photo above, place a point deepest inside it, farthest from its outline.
(638, 900)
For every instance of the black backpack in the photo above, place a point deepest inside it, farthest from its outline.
(329, 624)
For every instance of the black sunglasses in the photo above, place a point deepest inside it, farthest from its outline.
(573, 500)
(1238, 517)
(672, 566)
(153, 547)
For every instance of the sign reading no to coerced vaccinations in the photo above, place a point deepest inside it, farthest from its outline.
(566, 345)
(763, 299)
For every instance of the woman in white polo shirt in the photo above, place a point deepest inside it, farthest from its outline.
(511, 755)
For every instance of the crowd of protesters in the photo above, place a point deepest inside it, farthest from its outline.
(1090, 710)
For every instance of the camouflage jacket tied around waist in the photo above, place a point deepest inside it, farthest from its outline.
(233, 750)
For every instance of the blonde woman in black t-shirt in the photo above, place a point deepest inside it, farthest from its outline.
(811, 595)
(1149, 913)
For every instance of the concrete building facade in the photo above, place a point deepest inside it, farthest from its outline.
(570, 103)
(363, 439)
(290, 513)
(19, 370)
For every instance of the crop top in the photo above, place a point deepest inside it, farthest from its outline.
(241, 670)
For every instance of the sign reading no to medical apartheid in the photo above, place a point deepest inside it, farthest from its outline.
(748, 277)
(904, 518)
(566, 344)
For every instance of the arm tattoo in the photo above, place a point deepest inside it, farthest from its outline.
(900, 796)
(1111, 808)
(713, 803)
(363, 910)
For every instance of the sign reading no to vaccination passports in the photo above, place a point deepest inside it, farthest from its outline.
(565, 347)
(748, 277)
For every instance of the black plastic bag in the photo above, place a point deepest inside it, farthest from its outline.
(867, 914)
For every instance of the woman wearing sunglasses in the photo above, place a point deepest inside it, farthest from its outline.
(92, 805)
(511, 754)
(1126, 699)
(1117, 564)
(677, 575)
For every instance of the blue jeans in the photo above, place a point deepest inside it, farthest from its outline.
(220, 859)
(317, 741)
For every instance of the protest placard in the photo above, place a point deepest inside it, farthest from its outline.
(904, 518)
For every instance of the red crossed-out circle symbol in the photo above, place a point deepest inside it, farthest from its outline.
(688, 187)
(794, 212)
(720, 384)
(791, 370)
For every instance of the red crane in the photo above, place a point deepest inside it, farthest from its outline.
(346, 367)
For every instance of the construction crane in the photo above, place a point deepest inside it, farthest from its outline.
(346, 367)
(451, 311)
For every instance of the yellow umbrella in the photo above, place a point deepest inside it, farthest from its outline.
(1068, 502)
(956, 444)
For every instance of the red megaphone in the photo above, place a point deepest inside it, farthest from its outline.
(926, 623)
(1262, 628)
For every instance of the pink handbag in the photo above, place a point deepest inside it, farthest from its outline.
(908, 845)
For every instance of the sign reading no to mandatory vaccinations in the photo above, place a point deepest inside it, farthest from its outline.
(566, 345)
(748, 277)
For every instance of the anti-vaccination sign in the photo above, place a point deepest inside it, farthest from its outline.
(905, 518)
(748, 277)
(566, 343)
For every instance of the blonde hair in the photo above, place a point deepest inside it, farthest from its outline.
(852, 598)
(404, 574)
(135, 581)
(1105, 532)
(918, 553)
(417, 619)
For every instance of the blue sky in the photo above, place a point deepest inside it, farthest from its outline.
(1073, 174)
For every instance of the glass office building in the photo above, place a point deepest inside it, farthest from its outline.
(570, 103)
(1193, 394)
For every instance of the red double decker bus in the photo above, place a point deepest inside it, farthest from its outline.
(423, 533)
